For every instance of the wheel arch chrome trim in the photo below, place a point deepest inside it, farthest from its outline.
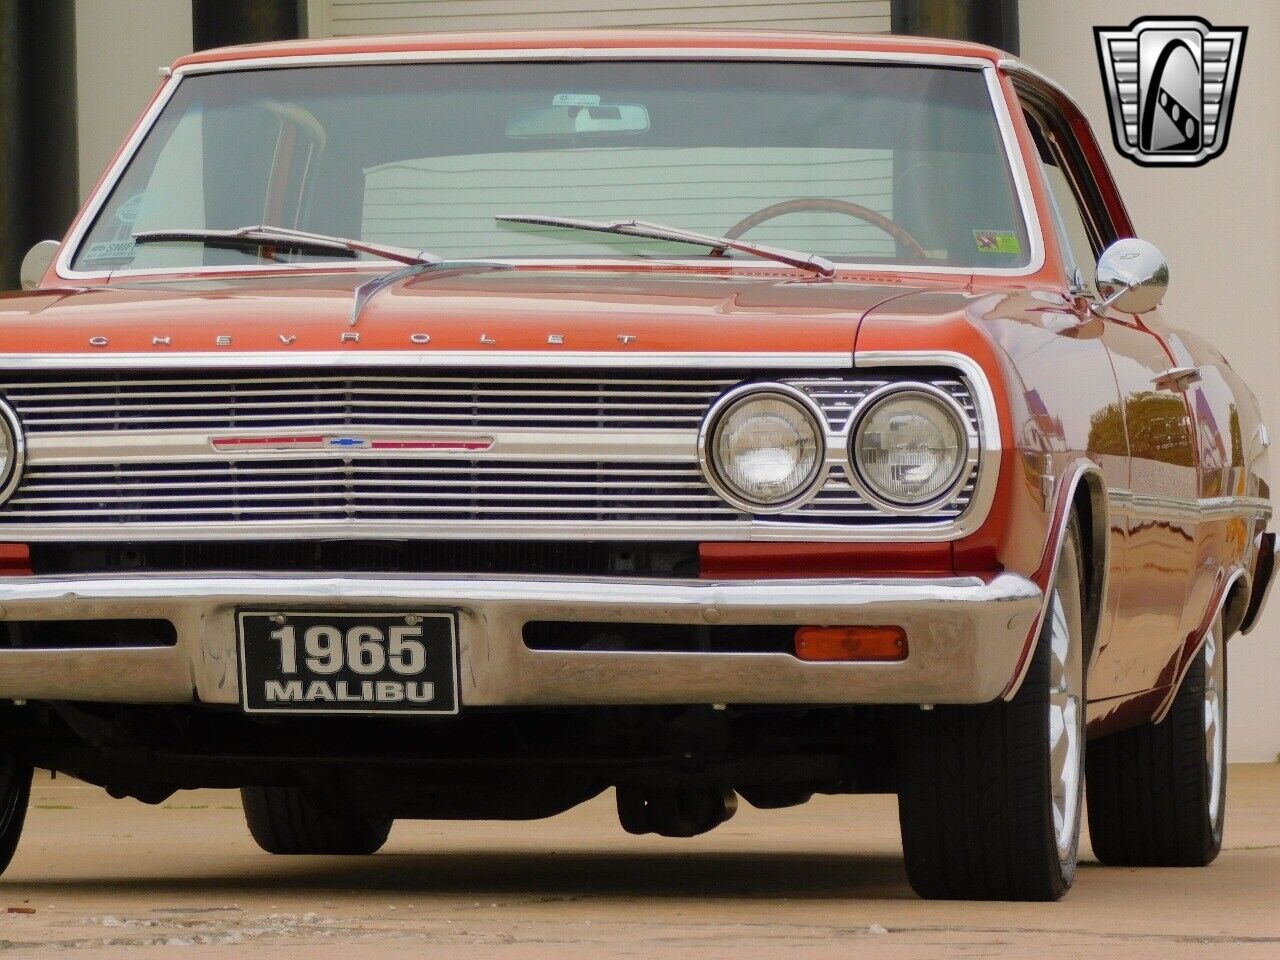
(1080, 470)
(1192, 650)
(1265, 564)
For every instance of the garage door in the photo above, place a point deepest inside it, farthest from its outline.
(347, 18)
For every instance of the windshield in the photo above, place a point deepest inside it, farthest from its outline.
(877, 164)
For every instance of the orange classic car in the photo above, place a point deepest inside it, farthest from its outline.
(461, 426)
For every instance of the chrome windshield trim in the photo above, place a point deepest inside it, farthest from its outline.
(814, 54)
(427, 357)
(1019, 68)
(1021, 179)
(110, 178)
(93, 206)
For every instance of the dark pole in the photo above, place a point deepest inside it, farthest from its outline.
(994, 22)
(223, 23)
(39, 178)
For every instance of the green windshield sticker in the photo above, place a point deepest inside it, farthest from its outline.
(996, 241)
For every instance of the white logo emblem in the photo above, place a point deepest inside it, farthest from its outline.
(1171, 85)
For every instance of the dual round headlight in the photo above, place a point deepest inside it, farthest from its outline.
(909, 447)
(764, 448)
(12, 451)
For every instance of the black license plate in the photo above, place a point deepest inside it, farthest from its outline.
(324, 662)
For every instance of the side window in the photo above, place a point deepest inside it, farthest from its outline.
(1079, 247)
(1083, 232)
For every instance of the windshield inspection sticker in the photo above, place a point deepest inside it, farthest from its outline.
(996, 241)
(120, 251)
(576, 100)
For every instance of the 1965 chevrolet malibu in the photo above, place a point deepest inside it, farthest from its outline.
(461, 426)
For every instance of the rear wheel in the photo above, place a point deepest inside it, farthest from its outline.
(990, 795)
(1157, 793)
(288, 820)
(15, 795)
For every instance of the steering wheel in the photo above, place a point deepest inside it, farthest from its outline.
(828, 205)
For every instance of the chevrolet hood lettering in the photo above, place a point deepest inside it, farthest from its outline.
(521, 311)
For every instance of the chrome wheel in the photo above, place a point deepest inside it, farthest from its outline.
(1215, 730)
(1066, 727)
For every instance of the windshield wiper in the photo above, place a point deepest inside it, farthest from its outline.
(304, 241)
(301, 240)
(656, 231)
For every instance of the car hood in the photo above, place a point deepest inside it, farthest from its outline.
(524, 310)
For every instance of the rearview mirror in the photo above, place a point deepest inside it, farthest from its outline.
(1132, 276)
(36, 263)
(572, 119)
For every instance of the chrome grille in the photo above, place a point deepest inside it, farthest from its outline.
(838, 396)
(318, 401)
(838, 501)
(366, 489)
(409, 490)
(89, 468)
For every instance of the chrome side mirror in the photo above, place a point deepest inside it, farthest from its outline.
(1132, 276)
(36, 263)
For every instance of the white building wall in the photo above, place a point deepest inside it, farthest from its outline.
(120, 44)
(1219, 226)
(345, 18)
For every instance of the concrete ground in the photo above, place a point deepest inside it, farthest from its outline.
(96, 877)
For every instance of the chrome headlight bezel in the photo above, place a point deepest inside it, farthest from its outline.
(708, 434)
(11, 435)
(966, 463)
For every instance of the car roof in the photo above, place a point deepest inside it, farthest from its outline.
(773, 41)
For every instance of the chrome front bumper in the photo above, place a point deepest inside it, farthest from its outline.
(965, 636)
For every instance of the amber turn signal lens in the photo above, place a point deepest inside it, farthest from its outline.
(851, 643)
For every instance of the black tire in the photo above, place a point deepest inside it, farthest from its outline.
(1157, 793)
(286, 820)
(15, 796)
(976, 795)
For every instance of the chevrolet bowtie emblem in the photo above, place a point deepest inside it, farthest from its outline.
(1171, 85)
(346, 442)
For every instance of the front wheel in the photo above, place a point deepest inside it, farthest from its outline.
(15, 796)
(1158, 792)
(989, 798)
